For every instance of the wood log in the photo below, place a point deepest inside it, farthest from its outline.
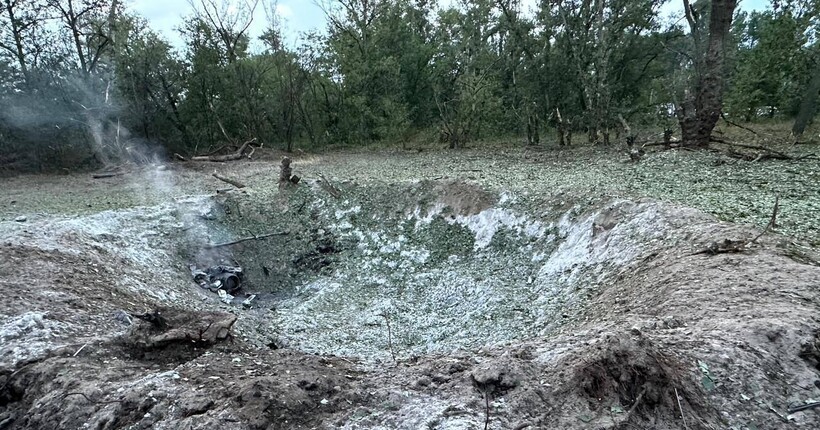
(106, 175)
(233, 182)
(228, 157)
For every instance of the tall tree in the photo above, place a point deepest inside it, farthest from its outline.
(700, 109)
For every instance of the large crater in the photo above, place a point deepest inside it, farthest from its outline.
(427, 267)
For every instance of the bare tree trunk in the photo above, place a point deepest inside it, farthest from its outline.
(808, 106)
(699, 115)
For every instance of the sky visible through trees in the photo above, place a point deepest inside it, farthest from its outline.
(95, 81)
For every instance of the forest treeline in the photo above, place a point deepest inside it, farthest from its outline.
(86, 82)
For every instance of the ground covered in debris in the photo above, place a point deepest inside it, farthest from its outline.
(424, 290)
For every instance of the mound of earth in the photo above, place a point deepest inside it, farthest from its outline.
(431, 304)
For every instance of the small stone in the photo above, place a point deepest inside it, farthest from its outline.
(21, 218)
(635, 331)
(423, 382)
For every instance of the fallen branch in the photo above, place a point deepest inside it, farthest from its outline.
(329, 187)
(677, 396)
(793, 409)
(106, 175)
(732, 246)
(723, 115)
(726, 246)
(486, 408)
(671, 144)
(228, 157)
(233, 182)
(79, 350)
(179, 157)
(245, 239)
(103, 402)
(389, 336)
(772, 220)
(765, 154)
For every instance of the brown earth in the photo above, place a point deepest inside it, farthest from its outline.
(669, 341)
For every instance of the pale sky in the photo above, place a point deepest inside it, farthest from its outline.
(298, 16)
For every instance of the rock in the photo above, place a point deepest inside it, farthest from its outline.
(21, 218)
(672, 322)
(122, 317)
(494, 378)
(440, 378)
(423, 382)
(195, 406)
(635, 330)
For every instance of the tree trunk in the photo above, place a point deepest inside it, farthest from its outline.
(699, 116)
(808, 106)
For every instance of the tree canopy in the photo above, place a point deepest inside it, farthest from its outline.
(85, 81)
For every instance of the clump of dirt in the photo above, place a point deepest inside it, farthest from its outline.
(464, 198)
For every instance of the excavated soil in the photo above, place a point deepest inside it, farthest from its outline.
(440, 303)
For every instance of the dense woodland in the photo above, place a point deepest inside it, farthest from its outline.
(86, 82)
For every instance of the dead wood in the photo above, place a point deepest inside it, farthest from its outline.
(99, 402)
(106, 175)
(772, 221)
(764, 154)
(670, 144)
(233, 182)
(245, 239)
(228, 157)
(179, 157)
(727, 246)
(285, 171)
(155, 318)
(723, 116)
(793, 409)
(329, 187)
(183, 328)
(219, 122)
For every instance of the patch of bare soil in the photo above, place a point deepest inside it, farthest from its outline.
(658, 337)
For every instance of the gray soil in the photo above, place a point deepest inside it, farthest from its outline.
(434, 290)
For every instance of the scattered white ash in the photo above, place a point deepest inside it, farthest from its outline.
(521, 276)
(28, 336)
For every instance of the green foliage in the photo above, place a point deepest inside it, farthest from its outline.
(383, 71)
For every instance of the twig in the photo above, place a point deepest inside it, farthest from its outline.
(179, 157)
(772, 220)
(106, 175)
(389, 336)
(681, 410)
(723, 115)
(329, 187)
(634, 406)
(78, 351)
(768, 153)
(793, 409)
(486, 408)
(233, 182)
(100, 402)
(245, 239)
